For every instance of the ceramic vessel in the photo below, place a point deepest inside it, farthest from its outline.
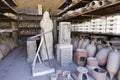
(113, 63)
(99, 46)
(1, 55)
(3, 49)
(80, 43)
(119, 75)
(96, 4)
(85, 43)
(102, 56)
(80, 56)
(91, 61)
(81, 72)
(91, 48)
(99, 74)
(75, 44)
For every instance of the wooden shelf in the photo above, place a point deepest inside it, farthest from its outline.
(5, 7)
(11, 3)
(109, 9)
(106, 10)
(65, 4)
(98, 33)
(81, 3)
(7, 30)
(29, 27)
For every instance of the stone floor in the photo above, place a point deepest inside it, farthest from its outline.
(15, 67)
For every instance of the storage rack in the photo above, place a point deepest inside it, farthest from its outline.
(109, 9)
(28, 19)
(7, 6)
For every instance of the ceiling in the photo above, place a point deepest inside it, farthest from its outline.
(46, 4)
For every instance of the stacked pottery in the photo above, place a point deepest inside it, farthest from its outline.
(102, 56)
(96, 4)
(85, 43)
(80, 56)
(79, 10)
(99, 74)
(91, 48)
(88, 7)
(81, 72)
(113, 63)
(119, 75)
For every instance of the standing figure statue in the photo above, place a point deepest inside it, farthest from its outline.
(46, 25)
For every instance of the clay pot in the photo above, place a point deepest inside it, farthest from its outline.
(96, 4)
(113, 63)
(91, 48)
(80, 56)
(99, 74)
(79, 10)
(119, 75)
(88, 7)
(102, 56)
(3, 49)
(85, 43)
(75, 44)
(91, 61)
(99, 46)
(82, 71)
(80, 43)
(1, 55)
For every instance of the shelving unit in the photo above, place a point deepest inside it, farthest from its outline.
(109, 9)
(81, 3)
(28, 25)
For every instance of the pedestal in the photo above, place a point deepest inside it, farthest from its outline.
(31, 49)
(64, 54)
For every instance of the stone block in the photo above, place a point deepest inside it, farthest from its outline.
(64, 32)
(64, 54)
(31, 49)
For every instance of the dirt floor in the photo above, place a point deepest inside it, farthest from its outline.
(15, 67)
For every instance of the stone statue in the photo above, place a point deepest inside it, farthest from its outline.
(46, 25)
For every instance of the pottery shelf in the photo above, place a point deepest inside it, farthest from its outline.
(110, 9)
(5, 7)
(81, 3)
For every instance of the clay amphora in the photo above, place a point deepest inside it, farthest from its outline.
(113, 63)
(85, 43)
(102, 56)
(91, 48)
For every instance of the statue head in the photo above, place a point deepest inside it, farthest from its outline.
(46, 15)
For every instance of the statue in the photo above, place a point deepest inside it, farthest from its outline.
(46, 25)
